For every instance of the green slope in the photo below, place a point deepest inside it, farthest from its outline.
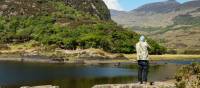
(63, 26)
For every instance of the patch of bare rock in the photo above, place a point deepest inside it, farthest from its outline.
(137, 85)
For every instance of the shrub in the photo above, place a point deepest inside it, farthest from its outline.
(188, 76)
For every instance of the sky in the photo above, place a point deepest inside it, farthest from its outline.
(127, 5)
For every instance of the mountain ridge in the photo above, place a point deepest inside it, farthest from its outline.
(156, 15)
(159, 7)
(176, 29)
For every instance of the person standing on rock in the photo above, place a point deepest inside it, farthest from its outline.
(143, 59)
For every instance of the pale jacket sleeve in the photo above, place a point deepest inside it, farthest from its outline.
(138, 52)
(147, 44)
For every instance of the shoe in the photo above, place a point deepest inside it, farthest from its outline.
(151, 83)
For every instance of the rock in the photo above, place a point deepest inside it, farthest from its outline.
(94, 7)
(33, 7)
(43, 86)
(137, 85)
(4, 7)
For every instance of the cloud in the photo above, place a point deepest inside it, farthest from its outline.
(113, 4)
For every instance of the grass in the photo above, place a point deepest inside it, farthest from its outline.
(22, 47)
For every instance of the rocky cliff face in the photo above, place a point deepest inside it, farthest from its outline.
(33, 7)
(94, 7)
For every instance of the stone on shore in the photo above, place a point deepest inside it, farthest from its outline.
(43, 86)
(137, 85)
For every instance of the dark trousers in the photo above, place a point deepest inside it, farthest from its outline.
(143, 67)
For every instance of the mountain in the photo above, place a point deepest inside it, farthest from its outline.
(30, 7)
(64, 24)
(173, 24)
(116, 12)
(95, 7)
(158, 14)
(159, 7)
(190, 4)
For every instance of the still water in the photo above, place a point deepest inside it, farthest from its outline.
(16, 74)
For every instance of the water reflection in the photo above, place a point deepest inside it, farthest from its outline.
(15, 74)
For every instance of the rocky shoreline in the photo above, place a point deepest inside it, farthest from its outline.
(42, 86)
(137, 85)
(88, 56)
(167, 84)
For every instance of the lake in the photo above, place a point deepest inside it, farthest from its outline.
(16, 74)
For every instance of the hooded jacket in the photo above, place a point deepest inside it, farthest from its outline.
(142, 50)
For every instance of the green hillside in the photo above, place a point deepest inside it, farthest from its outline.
(68, 28)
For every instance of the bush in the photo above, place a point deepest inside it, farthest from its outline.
(156, 48)
(188, 76)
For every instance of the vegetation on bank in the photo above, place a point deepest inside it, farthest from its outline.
(67, 28)
(188, 76)
(35, 48)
